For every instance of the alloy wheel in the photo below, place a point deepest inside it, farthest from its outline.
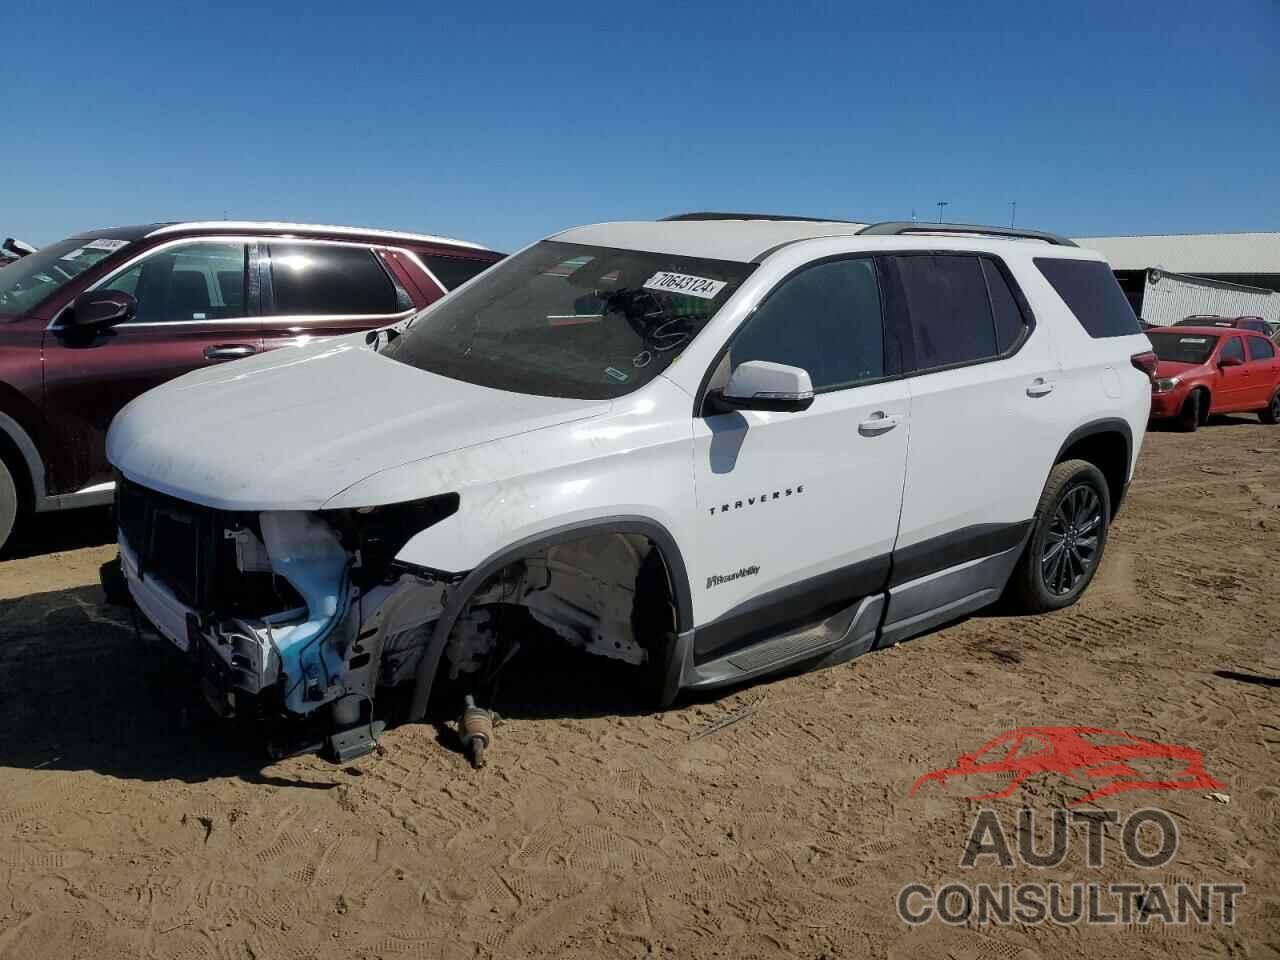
(1071, 542)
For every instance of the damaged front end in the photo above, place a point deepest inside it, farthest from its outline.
(278, 612)
(306, 614)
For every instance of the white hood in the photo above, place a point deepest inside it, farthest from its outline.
(292, 428)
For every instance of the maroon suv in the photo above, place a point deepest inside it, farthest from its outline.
(89, 323)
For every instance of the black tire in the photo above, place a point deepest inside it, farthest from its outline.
(114, 586)
(1192, 414)
(1271, 415)
(10, 504)
(1067, 541)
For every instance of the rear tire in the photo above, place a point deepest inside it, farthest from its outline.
(1067, 540)
(1190, 417)
(10, 504)
(1271, 415)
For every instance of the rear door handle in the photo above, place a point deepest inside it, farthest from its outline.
(1040, 387)
(878, 423)
(229, 351)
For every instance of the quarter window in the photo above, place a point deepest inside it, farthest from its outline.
(309, 279)
(826, 320)
(1010, 323)
(1260, 349)
(454, 271)
(1090, 290)
(1232, 350)
(950, 313)
(198, 281)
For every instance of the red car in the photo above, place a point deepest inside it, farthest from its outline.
(90, 322)
(1204, 370)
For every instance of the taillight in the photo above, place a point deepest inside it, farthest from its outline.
(1146, 362)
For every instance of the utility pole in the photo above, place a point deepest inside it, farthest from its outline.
(1013, 211)
(941, 204)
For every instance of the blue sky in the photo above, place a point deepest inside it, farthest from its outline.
(503, 122)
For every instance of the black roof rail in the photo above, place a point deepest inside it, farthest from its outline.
(710, 215)
(898, 228)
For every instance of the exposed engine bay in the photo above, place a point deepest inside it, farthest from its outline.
(289, 612)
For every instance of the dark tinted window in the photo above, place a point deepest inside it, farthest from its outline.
(1182, 347)
(454, 271)
(1090, 289)
(1260, 349)
(825, 319)
(1232, 349)
(1261, 326)
(950, 314)
(313, 278)
(1008, 316)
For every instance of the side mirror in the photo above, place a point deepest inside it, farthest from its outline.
(761, 385)
(16, 247)
(102, 308)
(1230, 362)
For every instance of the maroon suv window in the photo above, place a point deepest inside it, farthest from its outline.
(309, 279)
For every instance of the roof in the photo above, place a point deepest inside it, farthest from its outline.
(754, 237)
(316, 229)
(738, 240)
(1195, 253)
(1206, 331)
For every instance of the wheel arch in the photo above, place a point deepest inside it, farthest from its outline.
(661, 537)
(1108, 445)
(22, 457)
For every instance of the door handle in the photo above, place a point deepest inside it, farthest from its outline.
(878, 423)
(229, 351)
(1040, 387)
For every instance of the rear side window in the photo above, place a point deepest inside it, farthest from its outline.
(825, 319)
(1090, 289)
(1260, 349)
(454, 271)
(310, 278)
(951, 315)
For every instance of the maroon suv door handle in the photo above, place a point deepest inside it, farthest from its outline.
(229, 351)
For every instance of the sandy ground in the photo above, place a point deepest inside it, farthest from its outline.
(131, 826)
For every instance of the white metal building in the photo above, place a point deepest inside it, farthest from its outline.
(1237, 266)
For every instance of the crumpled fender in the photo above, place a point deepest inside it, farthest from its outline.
(306, 552)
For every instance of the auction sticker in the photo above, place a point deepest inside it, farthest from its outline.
(690, 286)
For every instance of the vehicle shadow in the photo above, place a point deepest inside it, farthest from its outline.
(54, 532)
(1248, 678)
(76, 693)
(1214, 420)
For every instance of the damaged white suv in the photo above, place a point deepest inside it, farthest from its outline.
(713, 447)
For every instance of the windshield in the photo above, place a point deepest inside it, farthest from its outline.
(26, 282)
(568, 320)
(1182, 347)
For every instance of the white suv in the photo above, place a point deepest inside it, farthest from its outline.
(713, 446)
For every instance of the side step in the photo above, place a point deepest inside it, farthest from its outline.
(840, 637)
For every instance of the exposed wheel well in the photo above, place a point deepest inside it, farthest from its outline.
(608, 593)
(1108, 450)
